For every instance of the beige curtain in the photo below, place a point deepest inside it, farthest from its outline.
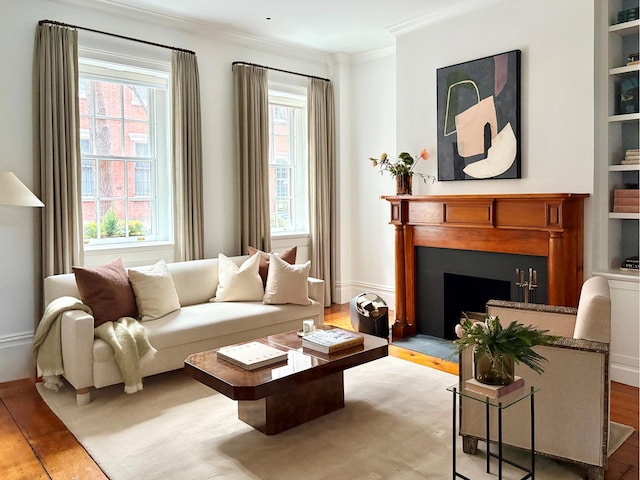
(187, 157)
(251, 95)
(58, 146)
(322, 204)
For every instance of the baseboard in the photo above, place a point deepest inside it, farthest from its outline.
(347, 290)
(16, 357)
(625, 370)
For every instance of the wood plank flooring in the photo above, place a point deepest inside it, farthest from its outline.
(34, 444)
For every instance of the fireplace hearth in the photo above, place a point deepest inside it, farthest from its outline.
(548, 227)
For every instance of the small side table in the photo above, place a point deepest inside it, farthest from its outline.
(500, 404)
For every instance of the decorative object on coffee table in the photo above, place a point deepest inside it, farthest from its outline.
(497, 348)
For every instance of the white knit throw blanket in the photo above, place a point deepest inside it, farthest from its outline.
(126, 336)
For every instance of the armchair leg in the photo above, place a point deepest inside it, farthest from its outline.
(83, 396)
(469, 445)
(595, 473)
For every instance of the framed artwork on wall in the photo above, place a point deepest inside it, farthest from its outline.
(479, 118)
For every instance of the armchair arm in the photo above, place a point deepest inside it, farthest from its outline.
(77, 348)
(558, 320)
(571, 406)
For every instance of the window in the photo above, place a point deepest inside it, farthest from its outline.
(126, 187)
(288, 162)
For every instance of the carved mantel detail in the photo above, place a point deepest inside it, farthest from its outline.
(548, 225)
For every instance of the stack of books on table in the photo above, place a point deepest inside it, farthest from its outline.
(626, 200)
(631, 157)
(252, 355)
(494, 391)
(331, 341)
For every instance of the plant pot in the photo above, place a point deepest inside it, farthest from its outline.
(493, 370)
(403, 184)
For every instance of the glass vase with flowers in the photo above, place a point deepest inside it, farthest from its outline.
(497, 348)
(403, 169)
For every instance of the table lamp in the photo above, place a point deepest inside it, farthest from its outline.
(14, 193)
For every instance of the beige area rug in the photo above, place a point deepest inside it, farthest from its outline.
(396, 425)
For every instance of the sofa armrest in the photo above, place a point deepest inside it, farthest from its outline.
(77, 348)
(316, 290)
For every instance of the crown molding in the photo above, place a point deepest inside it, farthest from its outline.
(372, 55)
(419, 23)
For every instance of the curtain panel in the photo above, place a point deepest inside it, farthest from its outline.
(58, 146)
(187, 157)
(322, 184)
(251, 97)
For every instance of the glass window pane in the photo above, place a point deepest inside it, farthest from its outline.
(142, 179)
(108, 135)
(136, 102)
(107, 99)
(112, 219)
(111, 179)
(140, 218)
(88, 178)
(136, 139)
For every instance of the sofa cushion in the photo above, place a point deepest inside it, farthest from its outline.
(287, 283)
(195, 281)
(239, 283)
(155, 294)
(288, 255)
(107, 291)
(215, 319)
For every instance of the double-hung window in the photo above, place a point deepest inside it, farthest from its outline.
(288, 161)
(124, 143)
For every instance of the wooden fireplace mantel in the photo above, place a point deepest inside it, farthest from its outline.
(550, 225)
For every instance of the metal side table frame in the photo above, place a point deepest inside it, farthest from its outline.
(500, 405)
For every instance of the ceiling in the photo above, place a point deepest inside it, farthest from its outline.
(334, 26)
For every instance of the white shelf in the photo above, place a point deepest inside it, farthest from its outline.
(627, 117)
(626, 28)
(615, 274)
(624, 168)
(625, 69)
(625, 216)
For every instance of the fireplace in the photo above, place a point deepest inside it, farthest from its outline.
(449, 282)
(547, 228)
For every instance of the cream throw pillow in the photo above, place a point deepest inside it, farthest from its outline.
(154, 290)
(286, 283)
(239, 284)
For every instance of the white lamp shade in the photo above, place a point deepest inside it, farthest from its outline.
(14, 193)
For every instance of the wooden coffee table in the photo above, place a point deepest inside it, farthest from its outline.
(275, 398)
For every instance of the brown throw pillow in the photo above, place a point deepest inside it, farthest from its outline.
(288, 256)
(107, 291)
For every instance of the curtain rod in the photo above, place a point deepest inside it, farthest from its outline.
(280, 70)
(53, 22)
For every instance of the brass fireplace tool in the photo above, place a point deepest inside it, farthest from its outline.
(527, 286)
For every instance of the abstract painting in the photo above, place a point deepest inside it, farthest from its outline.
(479, 118)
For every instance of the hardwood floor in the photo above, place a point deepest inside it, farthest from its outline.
(34, 444)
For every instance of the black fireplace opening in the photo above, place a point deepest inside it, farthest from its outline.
(449, 281)
(463, 293)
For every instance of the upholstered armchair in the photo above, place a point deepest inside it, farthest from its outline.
(572, 405)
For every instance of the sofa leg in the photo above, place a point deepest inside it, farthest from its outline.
(83, 396)
(469, 445)
(595, 473)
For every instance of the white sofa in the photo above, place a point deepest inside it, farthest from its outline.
(197, 326)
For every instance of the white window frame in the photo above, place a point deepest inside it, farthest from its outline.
(161, 188)
(296, 97)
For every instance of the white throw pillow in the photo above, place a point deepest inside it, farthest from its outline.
(286, 283)
(154, 290)
(239, 284)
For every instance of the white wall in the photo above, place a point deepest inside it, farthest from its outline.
(19, 227)
(556, 40)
